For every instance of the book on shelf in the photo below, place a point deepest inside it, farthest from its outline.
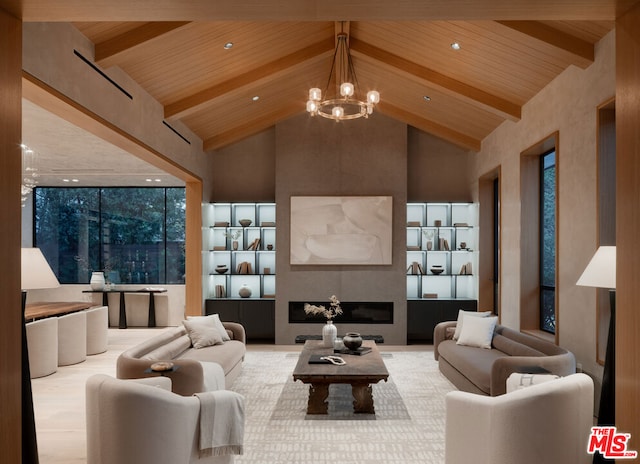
(460, 224)
(244, 268)
(221, 224)
(413, 224)
(444, 244)
(268, 224)
(220, 293)
(219, 248)
(429, 295)
(269, 295)
(413, 248)
(466, 269)
(415, 268)
(255, 245)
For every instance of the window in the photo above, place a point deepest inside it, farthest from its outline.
(548, 242)
(134, 235)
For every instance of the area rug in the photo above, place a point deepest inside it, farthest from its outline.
(408, 426)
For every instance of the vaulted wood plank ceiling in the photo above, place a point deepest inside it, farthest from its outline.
(510, 50)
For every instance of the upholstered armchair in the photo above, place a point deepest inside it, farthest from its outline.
(546, 423)
(142, 422)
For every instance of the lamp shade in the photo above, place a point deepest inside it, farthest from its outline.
(601, 270)
(36, 272)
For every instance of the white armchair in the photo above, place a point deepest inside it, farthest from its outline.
(142, 422)
(546, 423)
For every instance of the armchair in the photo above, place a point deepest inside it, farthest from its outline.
(549, 422)
(142, 422)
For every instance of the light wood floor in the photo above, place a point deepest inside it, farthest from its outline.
(59, 399)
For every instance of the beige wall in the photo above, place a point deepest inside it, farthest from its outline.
(363, 157)
(568, 105)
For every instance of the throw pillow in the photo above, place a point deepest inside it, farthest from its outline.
(477, 331)
(517, 381)
(460, 322)
(202, 332)
(215, 318)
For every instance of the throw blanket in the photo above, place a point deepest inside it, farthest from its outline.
(221, 423)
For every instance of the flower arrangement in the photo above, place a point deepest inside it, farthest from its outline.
(234, 235)
(332, 311)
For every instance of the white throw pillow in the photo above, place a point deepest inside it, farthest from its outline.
(460, 322)
(477, 331)
(518, 381)
(202, 332)
(217, 322)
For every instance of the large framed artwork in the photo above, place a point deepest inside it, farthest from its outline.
(341, 230)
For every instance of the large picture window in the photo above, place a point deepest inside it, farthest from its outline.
(135, 235)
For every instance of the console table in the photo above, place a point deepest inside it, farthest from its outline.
(122, 320)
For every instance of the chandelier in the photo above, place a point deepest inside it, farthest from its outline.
(346, 105)
(29, 172)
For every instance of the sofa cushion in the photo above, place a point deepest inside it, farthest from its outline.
(477, 331)
(215, 320)
(170, 350)
(202, 332)
(473, 363)
(460, 322)
(513, 348)
(227, 355)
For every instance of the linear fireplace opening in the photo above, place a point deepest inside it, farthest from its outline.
(358, 312)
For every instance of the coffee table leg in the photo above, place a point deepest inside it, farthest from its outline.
(318, 394)
(362, 398)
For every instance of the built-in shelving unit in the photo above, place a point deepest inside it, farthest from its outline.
(442, 255)
(239, 242)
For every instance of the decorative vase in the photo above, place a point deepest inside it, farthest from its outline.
(329, 334)
(352, 340)
(234, 245)
(244, 291)
(97, 281)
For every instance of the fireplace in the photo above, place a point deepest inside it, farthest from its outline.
(356, 312)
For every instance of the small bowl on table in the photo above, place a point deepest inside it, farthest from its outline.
(436, 269)
(245, 222)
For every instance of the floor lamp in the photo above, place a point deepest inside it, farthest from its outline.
(601, 273)
(35, 273)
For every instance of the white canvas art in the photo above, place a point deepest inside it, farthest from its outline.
(341, 230)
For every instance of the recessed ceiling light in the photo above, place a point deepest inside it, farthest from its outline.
(256, 98)
(158, 180)
(427, 98)
(75, 180)
(149, 180)
(65, 180)
(455, 46)
(228, 46)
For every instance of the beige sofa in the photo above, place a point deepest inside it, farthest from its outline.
(546, 423)
(485, 371)
(197, 370)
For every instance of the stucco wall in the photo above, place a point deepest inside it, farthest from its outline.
(567, 105)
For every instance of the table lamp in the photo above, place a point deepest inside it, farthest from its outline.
(601, 273)
(35, 273)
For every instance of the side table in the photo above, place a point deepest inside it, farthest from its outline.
(122, 320)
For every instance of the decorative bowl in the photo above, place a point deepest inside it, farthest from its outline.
(437, 269)
(245, 222)
(221, 269)
(352, 341)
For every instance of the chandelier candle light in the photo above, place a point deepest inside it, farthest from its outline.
(329, 331)
(346, 106)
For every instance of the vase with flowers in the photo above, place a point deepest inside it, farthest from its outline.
(329, 331)
(233, 235)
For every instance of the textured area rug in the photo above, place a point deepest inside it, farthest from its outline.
(408, 426)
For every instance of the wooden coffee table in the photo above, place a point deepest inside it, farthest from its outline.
(360, 372)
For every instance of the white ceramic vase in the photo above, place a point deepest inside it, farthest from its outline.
(97, 281)
(244, 292)
(329, 334)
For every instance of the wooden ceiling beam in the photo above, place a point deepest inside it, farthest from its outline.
(489, 102)
(431, 127)
(314, 10)
(107, 51)
(192, 103)
(250, 128)
(581, 51)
